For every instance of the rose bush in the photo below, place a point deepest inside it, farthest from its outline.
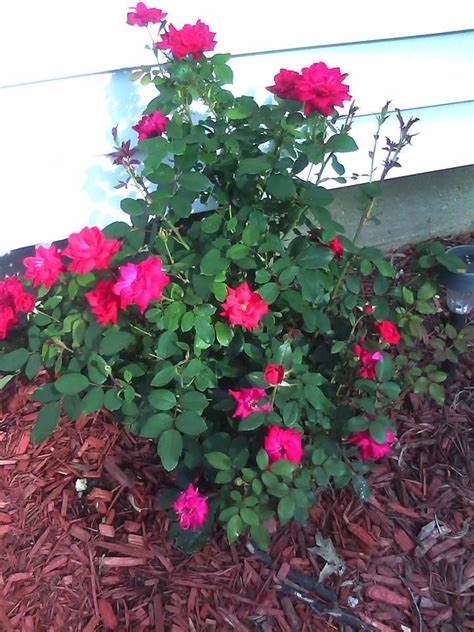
(239, 339)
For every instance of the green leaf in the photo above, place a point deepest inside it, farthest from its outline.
(317, 398)
(356, 424)
(164, 376)
(314, 257)
(283, 468)
(437, 393)
(97, 369)
(71, 383)
(235, 527)
(249, 516)
(380, 285)
(390, 389)
(191, 423)
(427, 291)
(211, 223)
(46, 422)
(269, 292)
(111, 400)
(93, 400)
(408, 296)
(72, 405)
(281, 187)
(361, 487)
(261, 537)
(115, 341)
(193, 400)
(384, 368)
(155, 425)
(286, 509)
(169, 448)
(213, 263)
(194, 181)
(253, 166)
(14, 360)
(133, 208)
(262, 459)
(224, 333)
(4, 380)
(340, 143)
(219, 460)
(237, 252)
(162, 399)
(46, 394)
(33, 365)
(252, 421)
(378, 431)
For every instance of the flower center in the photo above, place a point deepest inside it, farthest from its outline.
(244, 306)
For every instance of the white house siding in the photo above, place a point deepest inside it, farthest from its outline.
(55, 132)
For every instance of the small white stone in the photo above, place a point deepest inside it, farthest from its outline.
(352, 602)
(81, 485)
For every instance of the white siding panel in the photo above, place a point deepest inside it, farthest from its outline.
(57, 178)
(58, 38)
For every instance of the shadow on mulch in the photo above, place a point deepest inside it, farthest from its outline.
(102, 561)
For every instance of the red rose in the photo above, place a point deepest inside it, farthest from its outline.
(286, 85)
(368, 361)
(388, 331)
(244, 307)
(90, 250)
(281, 443)
(369, 448)
(143, 16)
(151, 125)
(248, 401)
(336, 246)
(140, 284)
(7, 320)
(321, 88)
(274, 374)
(44, 268)
(20, 300)
(104, 302)
(190, 40)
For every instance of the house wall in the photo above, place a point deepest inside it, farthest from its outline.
(66, 85)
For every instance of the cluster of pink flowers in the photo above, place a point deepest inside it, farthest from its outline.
(370, 449)
(192, 39)
(320, 88)
(13, 301)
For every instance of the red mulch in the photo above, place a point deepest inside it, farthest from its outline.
(102, 562)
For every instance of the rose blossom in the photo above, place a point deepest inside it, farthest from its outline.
(190, 40)
(144, 16)
(20, 300)
(8, 319)
(286, 85)
(368, 309)
(104, 302)
(247, 401)
(321, 88)
(45, 267)
(336, 246)
(281, 443)
(140, 284)
(369, 448)
(388, 331)
(274, 374)
(191, 508)
(244, 307)
(368, 361)
(151, 125)
(90, 250)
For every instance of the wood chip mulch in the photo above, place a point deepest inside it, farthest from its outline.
(101, 561)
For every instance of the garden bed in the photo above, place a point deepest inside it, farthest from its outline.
(102, 560)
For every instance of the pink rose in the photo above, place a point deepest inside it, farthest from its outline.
(369, 448)
(274, 374)
(104, 302)
(321, 88)
(7, 320)
(248, 401)
(190, 40)
(286, 85)
(281, 443)
(143, 16)
(151, 125)
(20, 300)
(244, 307)
(44, 268)
(191, 508)
(140, 284)
(90, 250)
(336, 246)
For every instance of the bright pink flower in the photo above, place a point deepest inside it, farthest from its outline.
(191, 508)
(20, 301)
(368, 361)
(244, 307)
(388, 331)
(274, 374)
(143, 16)
(369, 448)
(45, 267)
(7, 320)
(286, 85)
(281, 443)
(90, 250)
(190, 40)
(336, 246)
(321, 88)
(104, 302)
(151, 125)
(140, 284)
(248, 401)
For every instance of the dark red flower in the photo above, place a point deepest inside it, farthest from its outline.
(192, 39)
(244, 307)
(321, 88)
(104, 302)
(151, 125)
(336, 246)
(274, 374)
(369, 448)
(286, 85)
(388, 331)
